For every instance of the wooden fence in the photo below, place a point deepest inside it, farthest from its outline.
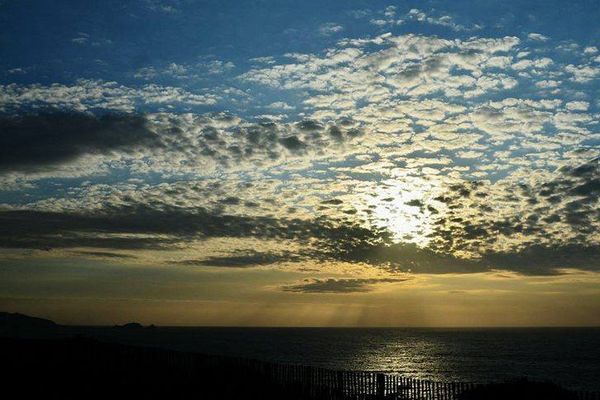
(321, 383)
(325, 384)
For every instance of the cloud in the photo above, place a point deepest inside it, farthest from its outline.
(349, 186)
(416, 91)
(406, 257)
(68, 144)
(332, 285)
(535, 259)
(545, 84)
(388, 17)
(162, 6)
(245, 260)
(346, 215)
(281, 105)
(33, 142)
(528, 64)
(444, 20)
(330, 28)
(161, 226)
(81, 38)
(405, 153)
(105, 254)
(192, 71)
(577, 106)
(17, 71)
(547, 260)
(525, 227)
(582, 73)
(537, 37)
(476, 227)
(89, 95)
(410, 65)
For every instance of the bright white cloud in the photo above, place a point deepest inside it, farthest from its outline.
(537, 37)
(89, 94)
(330, 28)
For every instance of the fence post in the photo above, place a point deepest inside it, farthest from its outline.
(340, 382)
(380, 391)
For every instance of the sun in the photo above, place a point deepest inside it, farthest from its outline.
(401, 207)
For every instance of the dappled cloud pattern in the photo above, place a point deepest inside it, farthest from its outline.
(407, 153)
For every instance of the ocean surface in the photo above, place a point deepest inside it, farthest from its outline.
(568, 356)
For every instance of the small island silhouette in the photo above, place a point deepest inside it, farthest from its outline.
(130, 325)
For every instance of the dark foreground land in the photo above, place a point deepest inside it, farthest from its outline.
(40, 364)
(87, 369)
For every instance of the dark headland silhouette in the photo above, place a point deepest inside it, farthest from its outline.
(15, 323)
(45, 360)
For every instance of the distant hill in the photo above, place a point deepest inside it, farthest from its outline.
(16, 319)
(15, 324)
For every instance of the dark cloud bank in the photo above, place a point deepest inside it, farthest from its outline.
(332, 285)
(246, 259)
(139, 227)
(36, 141)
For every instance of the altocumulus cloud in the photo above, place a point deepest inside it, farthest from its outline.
(497, 176)
(165, 143)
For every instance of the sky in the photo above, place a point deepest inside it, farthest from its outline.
(314, 163)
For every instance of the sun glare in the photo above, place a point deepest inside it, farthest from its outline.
(401, 207)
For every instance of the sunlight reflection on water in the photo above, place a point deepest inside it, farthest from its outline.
(567, 356)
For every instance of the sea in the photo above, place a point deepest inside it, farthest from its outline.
(567, 356)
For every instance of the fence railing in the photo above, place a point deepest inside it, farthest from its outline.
(325, 384)
(322, 383)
